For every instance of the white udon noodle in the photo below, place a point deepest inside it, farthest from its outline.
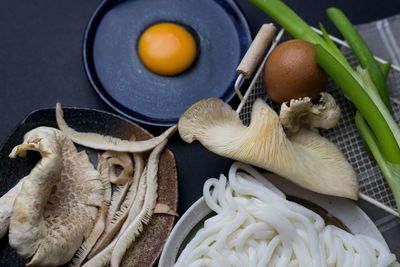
(256, 226)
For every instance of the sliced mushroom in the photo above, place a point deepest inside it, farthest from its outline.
(117, 198)
(58, 202)
(6, 204)
(305, 158)
(116, 220)
(103, 257)
(102, 142)
(99, 226)
(302, 113)
(122, 160)
(129, 235)
(120, 191)
(139, 215)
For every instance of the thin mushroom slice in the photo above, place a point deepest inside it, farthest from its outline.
(102, 142)
(122, 160)
(305, 158)
(302, 113)
(139, 215)
(57, 205)
(120, 191)
(117, 219)
(83, 251)
(135, 227)
(103, 257)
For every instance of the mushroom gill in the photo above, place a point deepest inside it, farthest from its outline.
(99, 226)
(59, 200)
(302, 113)
(305, 158)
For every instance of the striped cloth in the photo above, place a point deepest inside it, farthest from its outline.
(383, 37)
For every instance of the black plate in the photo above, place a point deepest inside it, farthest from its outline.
(149, 244)
(118, 76)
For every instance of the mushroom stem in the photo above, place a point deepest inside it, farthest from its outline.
(302, 113)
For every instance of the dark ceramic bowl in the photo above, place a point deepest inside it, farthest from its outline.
(147, 248)
(116, 73)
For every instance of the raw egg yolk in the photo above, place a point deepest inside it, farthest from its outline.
(167, 48)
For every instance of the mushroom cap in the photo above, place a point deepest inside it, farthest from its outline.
(59, 200)
(305, 158)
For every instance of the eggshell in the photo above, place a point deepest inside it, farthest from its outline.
(291, 72)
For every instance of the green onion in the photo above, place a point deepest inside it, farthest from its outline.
(391, 172)
(361, 50)
(362, 92)
(295, 25)
(366, 88)
(385, 68)
(332, 45)
(356, 85)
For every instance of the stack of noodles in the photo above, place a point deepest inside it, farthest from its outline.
(255, 225)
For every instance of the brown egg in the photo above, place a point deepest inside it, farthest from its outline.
(291, 72)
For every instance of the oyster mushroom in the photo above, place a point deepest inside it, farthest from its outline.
(102, 142)
(139, 215)
(305, 158)
(59, 200)
(302, 113)
(137, 222)
(102, 256)
(116, 218)
(6, 204)
(120, 191)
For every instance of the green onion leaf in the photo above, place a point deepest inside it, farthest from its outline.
(361, 50)
(390, 171)
(362, 92)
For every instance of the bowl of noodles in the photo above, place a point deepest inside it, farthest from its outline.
(250, 219)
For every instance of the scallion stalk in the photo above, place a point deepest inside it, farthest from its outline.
(391, 172)
(352, 83)
(361, 93)
(362, 52)
(385, 68)
(295, 25)
(382, 134)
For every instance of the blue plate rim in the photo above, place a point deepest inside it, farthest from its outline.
(89, 68)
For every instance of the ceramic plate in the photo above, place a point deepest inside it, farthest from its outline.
(346, 211)
(148, 247)
(117, 74)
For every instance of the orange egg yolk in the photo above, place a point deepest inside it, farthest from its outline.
(167, 48)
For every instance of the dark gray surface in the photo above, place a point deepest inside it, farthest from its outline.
(40, 63)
